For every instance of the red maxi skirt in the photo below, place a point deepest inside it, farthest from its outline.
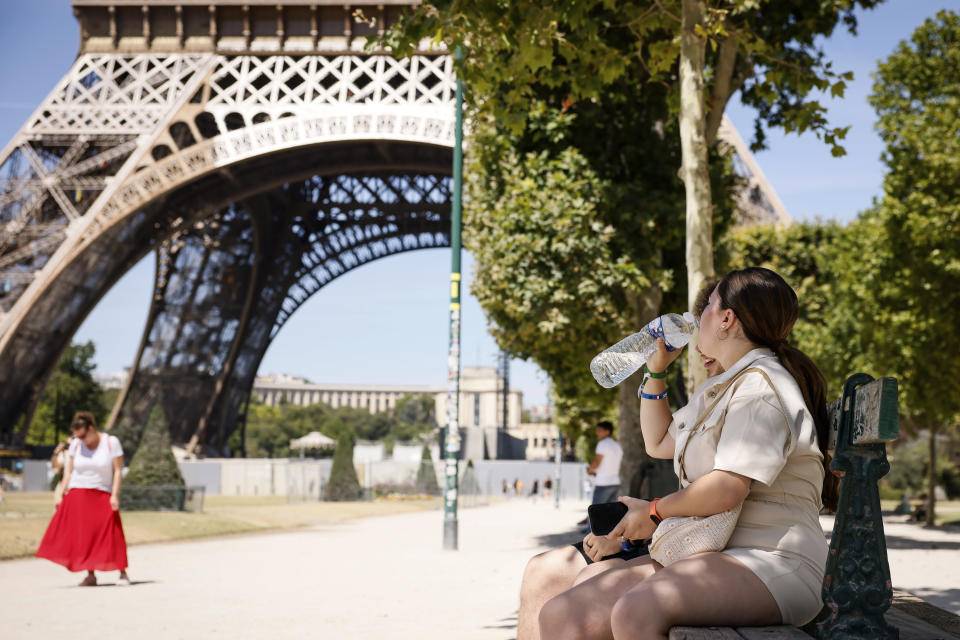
(85, 533)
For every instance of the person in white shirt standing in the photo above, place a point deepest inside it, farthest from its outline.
(85, 532)
(606, 465)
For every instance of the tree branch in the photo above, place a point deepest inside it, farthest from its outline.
(723, 85)
(667, 13)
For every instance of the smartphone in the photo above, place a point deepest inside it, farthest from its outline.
(605, 516)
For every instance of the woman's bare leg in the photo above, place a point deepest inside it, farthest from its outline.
(707, 589)
(596, 569)
(584, 611)
(547, 574)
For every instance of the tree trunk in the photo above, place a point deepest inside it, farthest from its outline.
(635, 456)
(931, 477)
(695, 171)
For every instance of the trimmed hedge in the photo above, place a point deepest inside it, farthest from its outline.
(153, 481)
(344, 485)
(426, 481)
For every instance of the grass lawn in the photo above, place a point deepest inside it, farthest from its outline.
(24, 518)
(946, 512)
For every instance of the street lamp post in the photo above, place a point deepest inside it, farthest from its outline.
(557, 470)
(452, 444)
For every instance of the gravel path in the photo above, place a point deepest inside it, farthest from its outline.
(375, 578)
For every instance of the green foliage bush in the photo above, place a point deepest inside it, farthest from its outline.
(153, 466)
(343, 485)
(427, 475)
(270, 429)
(889, 493)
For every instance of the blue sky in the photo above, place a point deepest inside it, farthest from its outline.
(386, 323)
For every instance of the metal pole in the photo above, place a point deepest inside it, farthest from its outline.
(556, 483)
(56, 418)
(452, 445)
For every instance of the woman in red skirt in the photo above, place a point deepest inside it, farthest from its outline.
(85, 532)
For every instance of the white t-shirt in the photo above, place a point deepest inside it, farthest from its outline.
(608, 472)
(94, 469)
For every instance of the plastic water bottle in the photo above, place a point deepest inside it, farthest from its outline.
(617, 363)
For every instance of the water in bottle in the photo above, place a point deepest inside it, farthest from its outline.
(617, 363)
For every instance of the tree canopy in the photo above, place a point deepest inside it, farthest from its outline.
(701, 52)
(915, 264)
(71, 388)
(270, 429)
(880, 295)
(772, 52)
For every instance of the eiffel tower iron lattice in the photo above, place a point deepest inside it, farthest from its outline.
(258, 150)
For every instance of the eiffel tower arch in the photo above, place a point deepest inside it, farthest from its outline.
(255, 147)
(259, 151)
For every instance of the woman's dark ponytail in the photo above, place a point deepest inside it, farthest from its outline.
(767, 308)
(813, 386)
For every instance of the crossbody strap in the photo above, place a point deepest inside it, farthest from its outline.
(706, 412)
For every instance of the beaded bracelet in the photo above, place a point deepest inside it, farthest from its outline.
(653, 396)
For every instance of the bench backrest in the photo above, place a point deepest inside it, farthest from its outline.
(875, 417)
(856, 587)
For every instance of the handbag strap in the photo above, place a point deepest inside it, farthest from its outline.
(706, 412)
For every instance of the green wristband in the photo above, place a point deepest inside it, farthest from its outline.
(655, 376)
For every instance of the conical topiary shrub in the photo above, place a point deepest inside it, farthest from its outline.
(343, 485)
(427, 476)
(153, 481)
(469, 487)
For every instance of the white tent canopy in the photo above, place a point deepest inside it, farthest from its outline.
(313, 440)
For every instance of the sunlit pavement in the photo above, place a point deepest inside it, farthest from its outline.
(376, 578)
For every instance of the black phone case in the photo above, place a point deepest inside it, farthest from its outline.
(605, 516)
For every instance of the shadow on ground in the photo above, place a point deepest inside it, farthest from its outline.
(100, 585)
(551, 540)
(948, 599)
(898, 542)
(507, 624)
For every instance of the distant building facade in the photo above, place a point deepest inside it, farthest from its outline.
(114, 380)
(481, 393)
(541, 439)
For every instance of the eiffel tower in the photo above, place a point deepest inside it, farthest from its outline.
(260, 151)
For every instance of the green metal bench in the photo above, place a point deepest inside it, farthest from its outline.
(856, 588)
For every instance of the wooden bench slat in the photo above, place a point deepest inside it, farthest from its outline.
(704, 633)
(780, 632)
(913, 628)
(875, 419)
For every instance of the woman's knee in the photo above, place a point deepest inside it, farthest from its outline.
(547, 569)
(561, 618)
(638, 614)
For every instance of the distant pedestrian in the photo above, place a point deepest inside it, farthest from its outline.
(605, 468)
(504, 487)
(58, 462)
(547, 487)
(85, 532)
(517, 487)
(535, 489)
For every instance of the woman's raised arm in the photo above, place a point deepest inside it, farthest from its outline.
(655, 416)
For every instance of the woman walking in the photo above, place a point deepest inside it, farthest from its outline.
(85, 532)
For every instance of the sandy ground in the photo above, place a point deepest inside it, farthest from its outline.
(375, 578)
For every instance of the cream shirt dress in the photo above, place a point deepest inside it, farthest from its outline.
(766, 433)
